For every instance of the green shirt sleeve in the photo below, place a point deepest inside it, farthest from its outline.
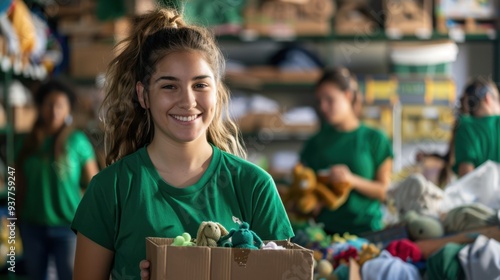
(82, 146)
(96, 215)
(382, 149)
(464, 148)
(269, 216)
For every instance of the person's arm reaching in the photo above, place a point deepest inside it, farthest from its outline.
(92, 261)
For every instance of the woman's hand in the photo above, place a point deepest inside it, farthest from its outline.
(144, 265)
(340, 173)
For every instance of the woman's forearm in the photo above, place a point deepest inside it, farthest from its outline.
(372, 189)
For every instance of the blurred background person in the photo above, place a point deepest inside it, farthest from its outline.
(477, 135)
(352, 152)
(55, 163)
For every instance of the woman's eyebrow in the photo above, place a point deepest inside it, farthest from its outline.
(172, 78)
(169, 78)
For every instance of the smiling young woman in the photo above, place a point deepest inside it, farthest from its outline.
(174, 160)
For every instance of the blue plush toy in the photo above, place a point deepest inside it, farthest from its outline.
(241, 238)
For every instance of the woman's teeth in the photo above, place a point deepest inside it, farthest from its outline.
(185, 118)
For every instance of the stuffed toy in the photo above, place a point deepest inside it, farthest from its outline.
(324, 270)
(338, 239)
(241, 238)
(183, 240)
(368, 252)
(422, 227)
(272, 246)
(344, 256)
(355, 241)
(209, 234)
(405, 250)
(306, 192)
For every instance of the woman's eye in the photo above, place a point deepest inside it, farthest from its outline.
(168, 87)
(201, 86)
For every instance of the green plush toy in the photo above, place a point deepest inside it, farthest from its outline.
(183, 240)
(422, 227)
(241, 238)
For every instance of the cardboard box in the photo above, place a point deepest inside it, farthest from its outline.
(206, 263)
(408, 18)
(88, 59)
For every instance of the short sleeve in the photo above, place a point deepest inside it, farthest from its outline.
(96, 215)
(82, 146)
(269, 219)
(382, 149)
(463, 147)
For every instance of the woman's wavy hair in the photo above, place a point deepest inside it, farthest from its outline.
(127, 125)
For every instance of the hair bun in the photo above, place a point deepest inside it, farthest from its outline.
(173, 21)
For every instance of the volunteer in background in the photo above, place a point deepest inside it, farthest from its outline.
(477, 136)
(352, 152)
(175, 161)
(55, 163)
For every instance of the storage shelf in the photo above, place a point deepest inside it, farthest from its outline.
(376, 36)
(272, 136)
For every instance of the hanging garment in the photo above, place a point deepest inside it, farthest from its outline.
(10, 35)
(23, 25)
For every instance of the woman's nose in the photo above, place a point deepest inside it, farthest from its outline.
(187, 99)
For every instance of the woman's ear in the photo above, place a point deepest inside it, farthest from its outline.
(141, 95)
(350, 95)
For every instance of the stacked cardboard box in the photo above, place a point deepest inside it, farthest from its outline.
(281, 18)
(91, 41)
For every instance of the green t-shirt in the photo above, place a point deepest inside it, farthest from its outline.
(53, 187)
(129, 201)
(444, 264)
(363, 150)
(477, 140)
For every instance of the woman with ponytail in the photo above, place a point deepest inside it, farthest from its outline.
(174, 155)
(351, 153)
(56, 162)
(477, 132)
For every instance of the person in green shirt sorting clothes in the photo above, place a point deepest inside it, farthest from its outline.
(55, 162)
(352, 152)
(174, 154)
(477, 135)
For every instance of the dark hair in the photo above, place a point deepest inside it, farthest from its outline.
(54, 85)
(475, 92)
(345, 81)
(35, 138)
